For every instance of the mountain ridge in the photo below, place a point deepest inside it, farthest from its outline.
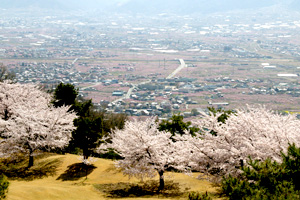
(149, 6)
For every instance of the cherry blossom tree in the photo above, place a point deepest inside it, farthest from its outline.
(148, 151)
(28, 122)
(254, 131)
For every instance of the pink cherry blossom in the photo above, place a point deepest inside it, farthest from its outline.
(28, 122)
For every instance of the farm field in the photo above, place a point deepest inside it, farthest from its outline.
(104, 176)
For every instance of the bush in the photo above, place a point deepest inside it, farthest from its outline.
(3, 186)
(198, 196)
(267, 180)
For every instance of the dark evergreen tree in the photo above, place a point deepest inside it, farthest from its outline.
(90, 125)
(222, 118)
(87, 135)
(267, 179)
(65, 94)
(176, 125)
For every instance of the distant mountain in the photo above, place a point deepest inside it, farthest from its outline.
(192, 6)
(59, 4)
(90, 4)
(47, 4)
(146, 6)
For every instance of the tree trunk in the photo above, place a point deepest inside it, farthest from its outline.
(30, 163)
(85, 157)
(242, 163)
(85, 154)
(161, 180)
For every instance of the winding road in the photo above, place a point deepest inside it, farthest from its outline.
(178, 69)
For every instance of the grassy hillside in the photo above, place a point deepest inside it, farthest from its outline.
(105, 177)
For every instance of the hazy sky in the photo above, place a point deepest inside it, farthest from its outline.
(151, 6)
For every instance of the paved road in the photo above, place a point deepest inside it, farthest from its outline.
(182, 65)
(74, 61)
(127, 96)
(93, 85)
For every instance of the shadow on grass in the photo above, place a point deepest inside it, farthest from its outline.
(76, 171)
(16, 168)
(146, 189)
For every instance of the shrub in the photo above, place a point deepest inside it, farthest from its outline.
(3, 186)
(198, 196)
(267, 180)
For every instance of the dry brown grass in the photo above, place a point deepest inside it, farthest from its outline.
(105, 175)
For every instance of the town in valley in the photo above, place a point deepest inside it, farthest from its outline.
(161, 64)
